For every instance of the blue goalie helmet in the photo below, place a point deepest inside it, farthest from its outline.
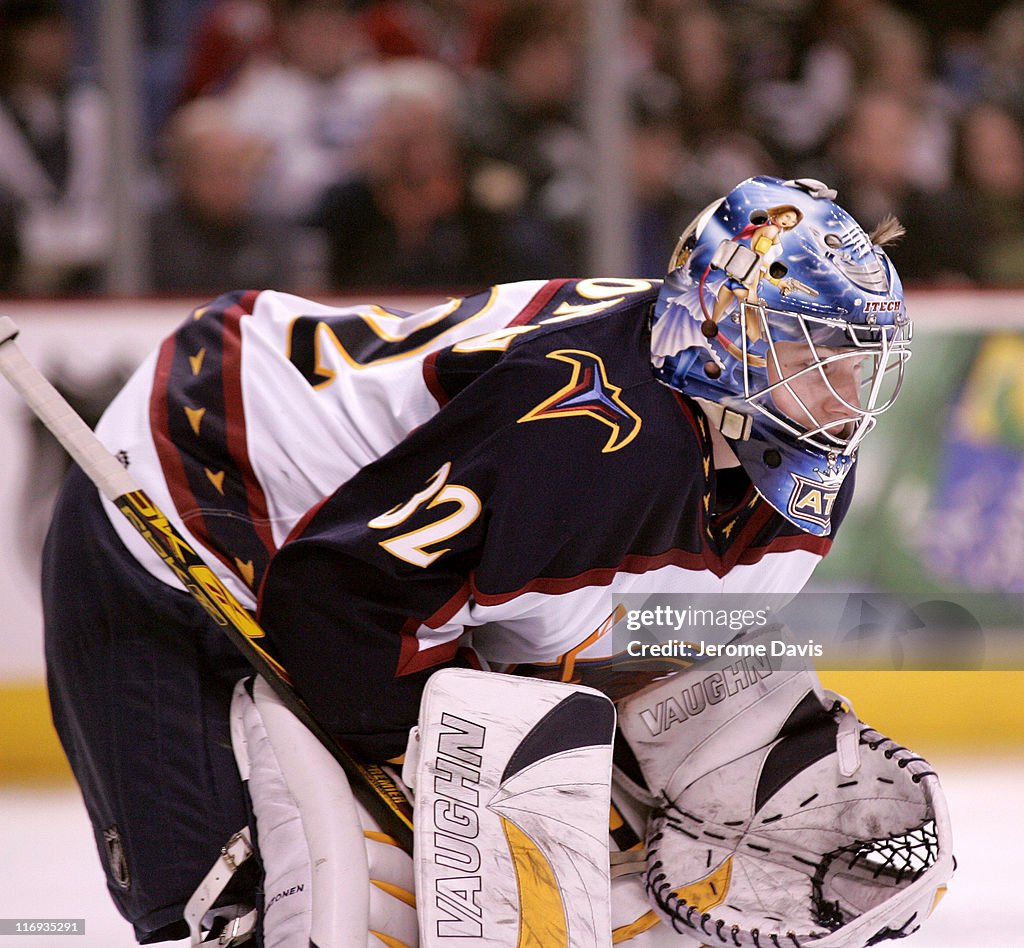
(787, 325)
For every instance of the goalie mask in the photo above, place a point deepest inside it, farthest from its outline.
(787, 325)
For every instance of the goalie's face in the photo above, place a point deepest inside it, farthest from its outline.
(823, 382)
(820, 391)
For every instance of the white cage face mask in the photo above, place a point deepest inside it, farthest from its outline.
(823, 381)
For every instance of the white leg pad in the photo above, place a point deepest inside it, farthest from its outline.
(334, 835)
(332, 878)
(288, 888)
(392, 913)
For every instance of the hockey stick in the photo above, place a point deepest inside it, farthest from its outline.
(371, 784)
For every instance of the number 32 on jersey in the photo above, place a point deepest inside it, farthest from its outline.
(412, 546)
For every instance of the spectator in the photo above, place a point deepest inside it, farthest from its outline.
(902, 61)
(694, 49)
(522, 118)
(410, 217)
(1004, 48)
(760, 86)
(53, 152)
(796, 116)
(207, 232)
(991, 162)
(872, 170)
(312, 102)
(656, 161)
(693, 52)
(458, 33)
(229, 33)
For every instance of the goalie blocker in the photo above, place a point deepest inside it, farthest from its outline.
(511, 778)
(778, 818)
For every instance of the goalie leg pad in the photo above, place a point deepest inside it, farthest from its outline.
(287, 887)
(512, 794)
(331, 877)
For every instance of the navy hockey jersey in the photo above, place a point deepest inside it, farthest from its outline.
(386, 489)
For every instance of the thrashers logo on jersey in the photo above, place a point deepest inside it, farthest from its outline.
(812, 500)
(590, 394)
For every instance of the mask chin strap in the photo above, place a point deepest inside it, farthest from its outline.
(731, 423)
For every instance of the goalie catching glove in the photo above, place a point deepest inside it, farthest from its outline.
(779, 820)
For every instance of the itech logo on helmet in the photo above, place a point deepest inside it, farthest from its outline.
(812, 500)
(883, 306)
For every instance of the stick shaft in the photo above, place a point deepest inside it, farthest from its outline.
(370, 783)
(102, 468)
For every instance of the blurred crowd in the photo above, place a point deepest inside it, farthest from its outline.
(327, 145)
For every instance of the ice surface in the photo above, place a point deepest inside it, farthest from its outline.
(49, 868)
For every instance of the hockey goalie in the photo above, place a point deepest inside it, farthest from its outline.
(431, 515)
